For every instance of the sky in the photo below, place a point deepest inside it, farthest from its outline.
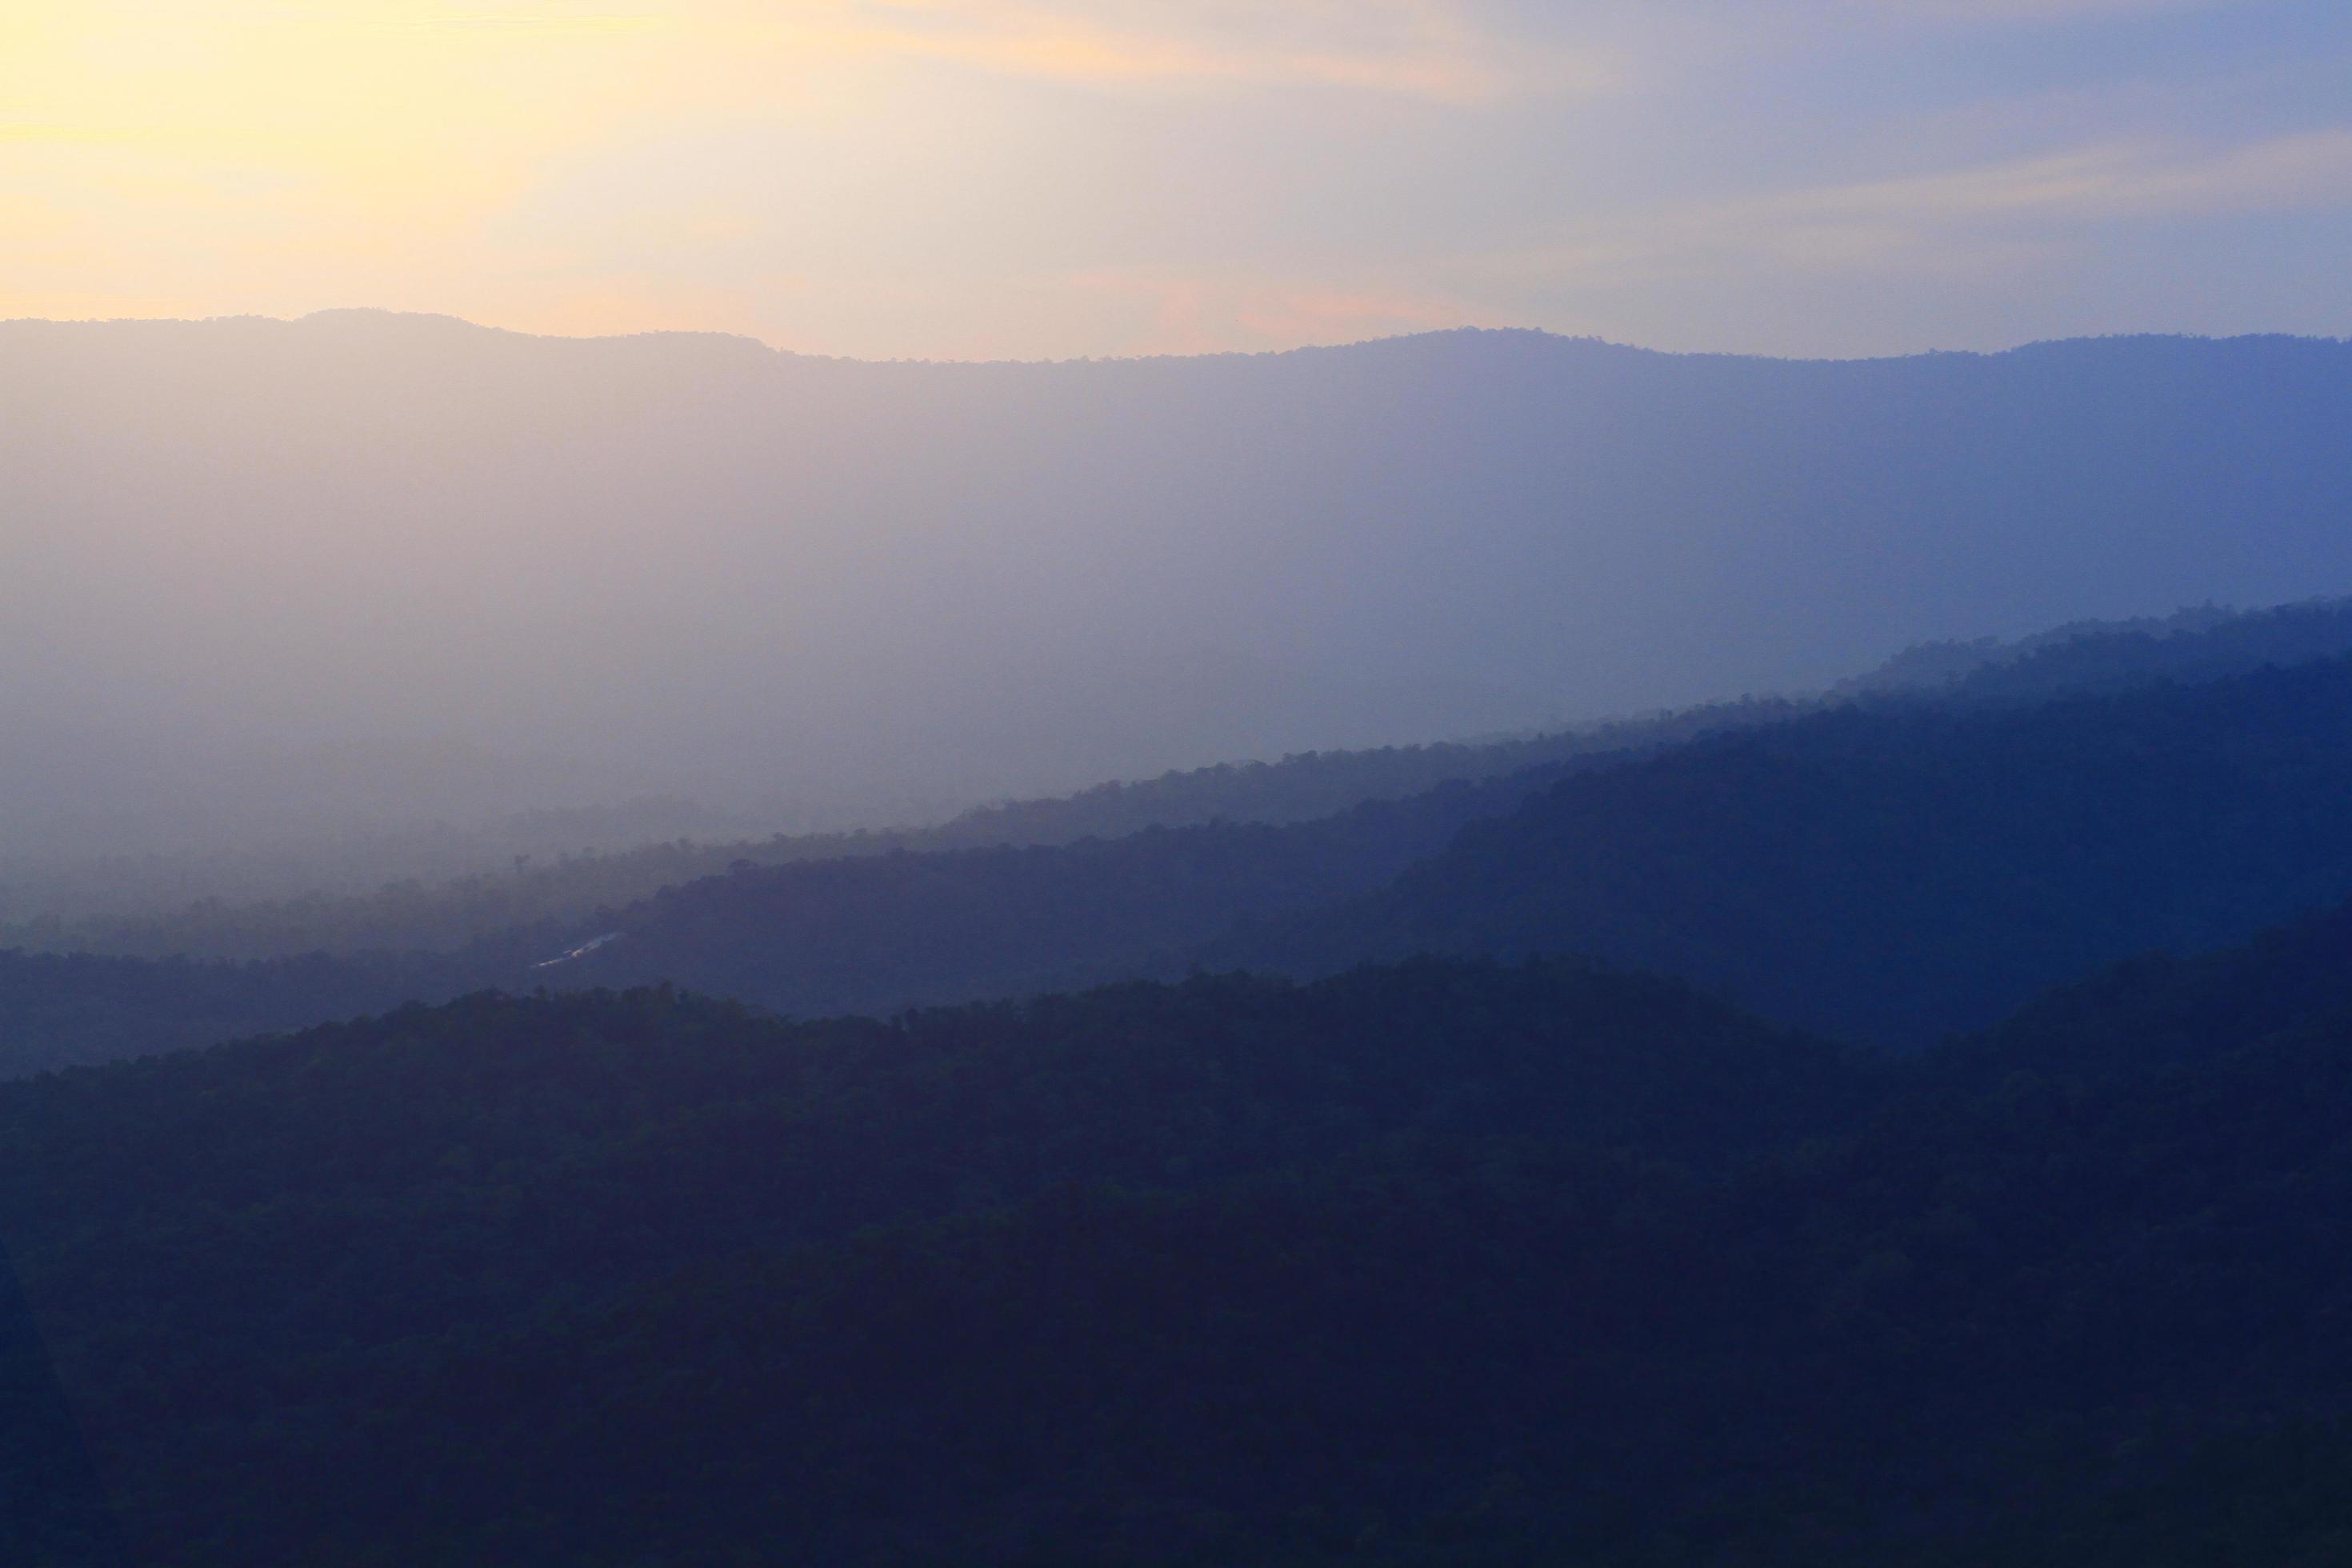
(966, 179)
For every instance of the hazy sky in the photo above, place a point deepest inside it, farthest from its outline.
(964, 178)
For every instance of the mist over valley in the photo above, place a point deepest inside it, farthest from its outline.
(362, 573)
(1423, 784)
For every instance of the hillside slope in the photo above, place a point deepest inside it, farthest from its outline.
(1926, 768)
(1892, 875)
(1433, 1264)
(410, 913)
(535, 891)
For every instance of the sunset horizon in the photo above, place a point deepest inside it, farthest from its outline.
(958, 179)
(1597, 340)
(1168, 783)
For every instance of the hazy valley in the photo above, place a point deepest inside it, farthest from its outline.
(1661, 1060)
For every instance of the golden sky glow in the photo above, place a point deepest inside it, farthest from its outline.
(275, 157)
(965, 178)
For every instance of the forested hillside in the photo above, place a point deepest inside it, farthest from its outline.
(869, 933)
(2000, 842)
(1793, 851)
(349, 1219)
(2200, 643)
(53, 1508)
(1430, 1264)
(877, 933)
(1890, 875)
(542, 891)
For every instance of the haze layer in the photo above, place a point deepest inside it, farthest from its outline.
(260, 574)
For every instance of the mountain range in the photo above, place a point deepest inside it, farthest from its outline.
(269, 577)
(2055, 803)
(1743, 1099)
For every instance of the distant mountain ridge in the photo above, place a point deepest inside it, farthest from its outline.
(690, 566)
(2201, 643)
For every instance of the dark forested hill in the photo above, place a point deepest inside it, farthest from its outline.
(1430, 1264)
(53, 1508)
(389, 1217)
(1894, 874)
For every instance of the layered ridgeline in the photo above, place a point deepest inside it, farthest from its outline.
(546, 893)
(866, 927)
(1890, 875)
(1888, 870)
(265, 578)
(1430, 1264)
(564, 883)
(1962, 792)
